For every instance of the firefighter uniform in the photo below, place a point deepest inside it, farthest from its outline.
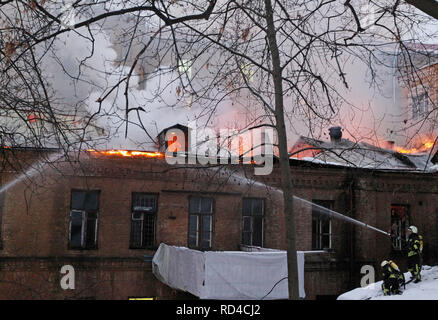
(392, 278)
(414, 251)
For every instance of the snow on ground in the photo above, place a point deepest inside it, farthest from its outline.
(427, 289)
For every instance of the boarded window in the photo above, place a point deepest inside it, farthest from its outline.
(200, 222)
(143, 218)
(252, 221)
(321, 225)
(84, 207)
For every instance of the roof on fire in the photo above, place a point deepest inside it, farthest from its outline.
(348, 153)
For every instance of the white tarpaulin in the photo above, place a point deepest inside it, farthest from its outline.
(232, 275)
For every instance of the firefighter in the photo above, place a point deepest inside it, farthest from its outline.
(414, 246)
(392, 278)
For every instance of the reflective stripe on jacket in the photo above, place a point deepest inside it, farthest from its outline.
(414, 245)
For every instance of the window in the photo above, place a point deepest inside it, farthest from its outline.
(252, 223)
(174, 142)
(247, 72)
(83, 219)
(143, 217)
(321, 225)
(185, 67)
(419, 100)
(399, 225)
(200, 222)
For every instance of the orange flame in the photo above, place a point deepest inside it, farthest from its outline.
(129, 153)
(424, 146)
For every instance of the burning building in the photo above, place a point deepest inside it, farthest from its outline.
(344, 152)
(105, 213)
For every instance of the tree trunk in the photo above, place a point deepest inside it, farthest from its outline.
(284, 155)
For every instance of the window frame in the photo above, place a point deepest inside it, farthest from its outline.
(247, 71)
(185, 67)
(317, 237)
(420, 101)
(199, 227)
(153, 213)
(251, 223)
(84, 221)
(397, 244)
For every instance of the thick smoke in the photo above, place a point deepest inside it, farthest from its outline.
(370, 108)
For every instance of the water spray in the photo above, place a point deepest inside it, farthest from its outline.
(35, 168)
(38, 167)
(323, 210)
(337, 215)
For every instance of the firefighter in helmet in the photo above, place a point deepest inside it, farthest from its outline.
(392, 278)
(414, 246)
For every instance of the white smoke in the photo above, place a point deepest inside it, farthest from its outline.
(367, 112)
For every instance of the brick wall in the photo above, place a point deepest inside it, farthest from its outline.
(35, 223)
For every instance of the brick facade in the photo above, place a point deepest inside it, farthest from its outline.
(35, 223)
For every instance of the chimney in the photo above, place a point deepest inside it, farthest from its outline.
(335, 134)
(389, 144)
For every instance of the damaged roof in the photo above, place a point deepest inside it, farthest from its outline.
(347, 153)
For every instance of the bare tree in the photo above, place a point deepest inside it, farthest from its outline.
(429, 7)
(300, 50)
(283, 63)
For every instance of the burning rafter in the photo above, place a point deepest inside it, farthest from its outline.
(129, 153)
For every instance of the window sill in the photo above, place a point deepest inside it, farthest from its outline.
(320, 258)
(325, 250)
(155, 248)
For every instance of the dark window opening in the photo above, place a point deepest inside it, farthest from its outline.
(399, 225)
(321, 225)
(143, 218)
(200, 223)
(84, 209)
(252, 221)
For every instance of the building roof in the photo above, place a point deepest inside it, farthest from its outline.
(422, 47)
(422, 55)
(348, 153)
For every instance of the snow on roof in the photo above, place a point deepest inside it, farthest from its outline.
(424, 290)
(359, 154)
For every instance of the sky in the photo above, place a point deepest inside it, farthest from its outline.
(374, 115)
